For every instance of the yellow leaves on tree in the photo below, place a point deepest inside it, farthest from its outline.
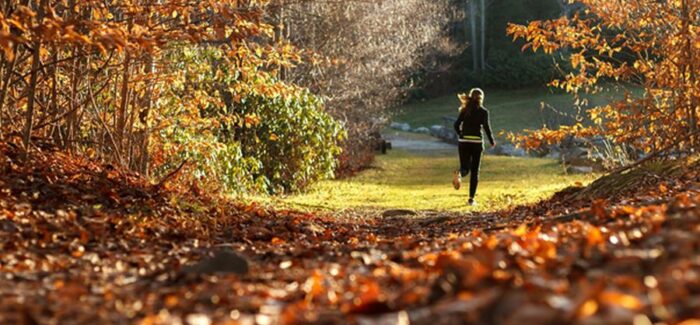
(647, 43)
(115, 78)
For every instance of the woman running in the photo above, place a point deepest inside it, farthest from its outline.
(472, 116)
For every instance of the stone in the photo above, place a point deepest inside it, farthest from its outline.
(398, 212)
(556, 155)
(519, 152)
(436, 130)
(222, 262)
(443, 133)
(422, 130)
(400, 126)
(575, 152)
(578, 161)
(506, 149)
(570, 143)
(579, 169)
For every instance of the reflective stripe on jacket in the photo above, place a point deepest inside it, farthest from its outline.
(469, 123)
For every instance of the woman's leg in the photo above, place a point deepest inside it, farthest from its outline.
(475, 151)
(464, 159)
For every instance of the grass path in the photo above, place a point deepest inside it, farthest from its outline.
(421, 180)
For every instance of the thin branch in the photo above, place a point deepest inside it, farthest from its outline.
(170, 175)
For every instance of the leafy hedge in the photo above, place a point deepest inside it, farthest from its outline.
(519, 71)
(515, 71)
(250, 132)
(296, 142)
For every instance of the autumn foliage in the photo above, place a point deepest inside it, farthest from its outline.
(651, 44)
(149, 85)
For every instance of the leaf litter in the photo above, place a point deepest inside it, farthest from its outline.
(84, 242)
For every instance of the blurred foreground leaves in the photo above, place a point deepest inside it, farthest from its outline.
(83, 242)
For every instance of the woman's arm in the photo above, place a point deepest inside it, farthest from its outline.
(487, 127)
(458, 123)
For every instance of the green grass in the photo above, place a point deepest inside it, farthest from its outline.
(410, 180)
(511, 110)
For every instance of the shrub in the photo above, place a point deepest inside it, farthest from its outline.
(244, 133)
(296, 142)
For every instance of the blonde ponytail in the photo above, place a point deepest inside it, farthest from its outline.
(467, 100)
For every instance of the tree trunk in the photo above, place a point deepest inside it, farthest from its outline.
(281, 34)
(72, 118)
(36, 57)
(474, 35)
(9, 69)
(53, 102)
(143, 117)
(10, 65)
(7, 66)
(124, 95)
(565, 7)
(6, 7)
(482, 47)
(466, 20)
(689, 98)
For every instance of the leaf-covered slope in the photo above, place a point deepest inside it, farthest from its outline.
(84, 242)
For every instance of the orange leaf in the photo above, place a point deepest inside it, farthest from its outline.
(621, 299)
(594, 237)
(588, 308)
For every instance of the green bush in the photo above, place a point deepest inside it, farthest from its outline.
(239, 137)
(296, 142)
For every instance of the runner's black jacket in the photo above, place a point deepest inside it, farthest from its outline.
(469, 122)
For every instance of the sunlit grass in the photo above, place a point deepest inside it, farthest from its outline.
(422, 181)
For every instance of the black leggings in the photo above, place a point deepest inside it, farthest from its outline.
(469, 161)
